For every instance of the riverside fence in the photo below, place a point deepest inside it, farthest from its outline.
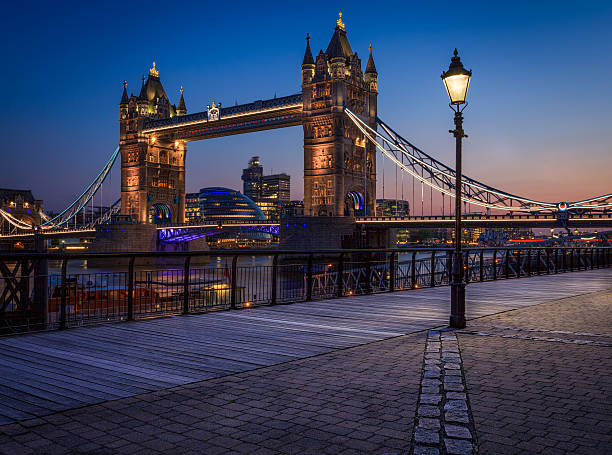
(33, 299)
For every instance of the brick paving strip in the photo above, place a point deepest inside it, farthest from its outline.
(444, 422)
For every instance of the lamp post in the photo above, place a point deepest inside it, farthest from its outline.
(457, 80)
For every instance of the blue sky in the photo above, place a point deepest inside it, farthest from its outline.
(538, 120)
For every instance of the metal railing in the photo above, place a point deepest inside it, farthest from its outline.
(33, 298)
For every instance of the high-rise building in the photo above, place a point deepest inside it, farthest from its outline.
(192, 207)
(251, 176)
(269, 192)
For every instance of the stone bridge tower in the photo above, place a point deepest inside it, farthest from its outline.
(152, 171)
(339, 163)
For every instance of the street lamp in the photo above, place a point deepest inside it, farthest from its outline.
(456, 81)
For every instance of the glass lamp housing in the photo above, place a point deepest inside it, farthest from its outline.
(456, 80)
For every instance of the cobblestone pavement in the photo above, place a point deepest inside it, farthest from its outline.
(549, 391)
(529, 381)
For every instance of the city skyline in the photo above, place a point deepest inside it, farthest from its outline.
(76, 106)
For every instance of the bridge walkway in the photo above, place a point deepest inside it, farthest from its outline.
(44, 373)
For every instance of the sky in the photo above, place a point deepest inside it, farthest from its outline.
(538, 119)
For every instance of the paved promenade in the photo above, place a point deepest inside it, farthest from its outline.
(329, 377)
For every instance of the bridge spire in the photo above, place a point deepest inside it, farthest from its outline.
(182, 108)
(370, 67)
(308, 59)
(124, 96)
(143, 91)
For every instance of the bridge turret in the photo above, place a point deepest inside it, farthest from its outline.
(182, 108)
(339, 51)
(123, 104)
(371, 75)
(339, 164)
(152, 167)
(308, 65)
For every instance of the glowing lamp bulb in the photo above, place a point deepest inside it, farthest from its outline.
(456, 80)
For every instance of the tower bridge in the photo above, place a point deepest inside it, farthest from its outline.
(339, 164)
(343, 133)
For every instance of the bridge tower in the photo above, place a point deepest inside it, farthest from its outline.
(152, 171)
(339, 163)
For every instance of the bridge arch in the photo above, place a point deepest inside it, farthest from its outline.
(160, 213)
(354, 203)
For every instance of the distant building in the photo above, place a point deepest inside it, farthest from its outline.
(269, 192)
(192, 207)
(251, 176)
(22, 205)
(392, 207)
(293, 208)
(224, 204)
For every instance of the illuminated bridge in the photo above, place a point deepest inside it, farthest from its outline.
(344, 136)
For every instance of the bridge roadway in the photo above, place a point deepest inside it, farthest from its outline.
(548, 220)
(593, 220)
(48, 372)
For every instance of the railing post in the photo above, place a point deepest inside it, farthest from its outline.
(63, 298)
(572, 251)
(592, 261)
(507, 264)
(186, 285)
(309, 279)
(41, 280)
(539, 260)
(432, 269)
(556, 260)
(548, 261)
(413, 271)
(368, 273)
(564, 259)
(130, 302)
(529, 262)
(481, 265)
(518, 263)
(584, 260)
(274, 278)
(340, 280)
(392, 272)
(494, 265)
(234, 295)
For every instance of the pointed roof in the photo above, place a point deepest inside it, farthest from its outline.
(308, 59)
(143, 91)
(339, 45)
(370, 67)
(124, 97)
(152, 89)
(181, 105)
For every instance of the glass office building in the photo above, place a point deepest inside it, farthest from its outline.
(225, 204)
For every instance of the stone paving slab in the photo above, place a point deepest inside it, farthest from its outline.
(530, 396)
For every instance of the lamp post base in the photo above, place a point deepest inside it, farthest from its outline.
(457, 316)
